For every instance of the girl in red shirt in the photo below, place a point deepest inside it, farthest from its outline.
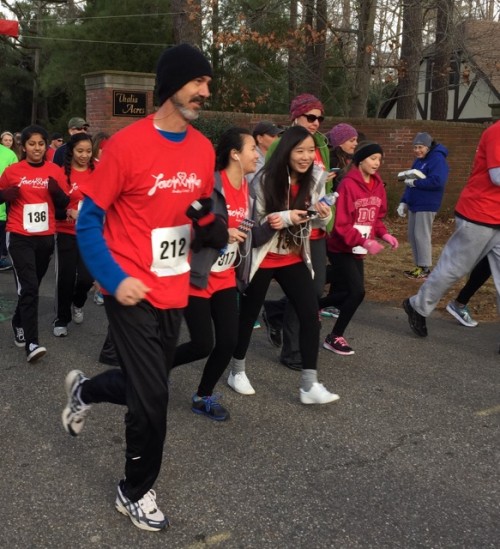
(213, 304)
(73, 281)
(33, 187)
(288, 196)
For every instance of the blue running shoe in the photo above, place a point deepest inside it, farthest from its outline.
(209, 406)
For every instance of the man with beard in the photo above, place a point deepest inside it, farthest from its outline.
(152, 172)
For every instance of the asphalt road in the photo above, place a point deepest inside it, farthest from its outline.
(408, 458)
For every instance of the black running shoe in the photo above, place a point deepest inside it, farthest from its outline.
(273, 333)
(416, 320)
(34, 352)
(18, 336)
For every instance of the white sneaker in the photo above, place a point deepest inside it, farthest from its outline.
(75, 411)
(239, 382)
(77, 315)
(317, 394)
(60, 331)
(143, 513)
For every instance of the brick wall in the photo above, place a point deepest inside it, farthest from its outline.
(395, 136)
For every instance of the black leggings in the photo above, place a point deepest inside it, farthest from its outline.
(297, 284)
(348, 288)
(73, 281)
(478, 276)
(30, 257)
(221, 309)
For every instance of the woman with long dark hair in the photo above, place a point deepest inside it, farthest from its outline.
(288, 191)
(73, 281)
(33, 187)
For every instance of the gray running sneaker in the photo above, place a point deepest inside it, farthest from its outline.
(144, 513)
(462, 314)
(75, 412)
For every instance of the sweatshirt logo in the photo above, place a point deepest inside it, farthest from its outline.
(180, 183)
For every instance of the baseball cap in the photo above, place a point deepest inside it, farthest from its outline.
(77, 122)
(266, 127)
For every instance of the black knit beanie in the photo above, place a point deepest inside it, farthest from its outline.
(177, 66)
(364, 150)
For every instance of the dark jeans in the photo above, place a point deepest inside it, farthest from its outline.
(30, 258)
(348, 289)
(73, 281)
(297, 283)
(222, 310)
(478, 276)
(145, 339)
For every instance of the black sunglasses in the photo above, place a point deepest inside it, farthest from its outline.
(312, 118)
(85, 128)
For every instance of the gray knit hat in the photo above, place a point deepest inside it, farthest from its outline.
(422, 138)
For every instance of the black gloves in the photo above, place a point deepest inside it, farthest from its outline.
(59, 197)
(210, 230)
(9, 194)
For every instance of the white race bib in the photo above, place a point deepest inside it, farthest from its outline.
(227, 259)
(279, 244)
(36, 217)
(365, 231)
(170, 248)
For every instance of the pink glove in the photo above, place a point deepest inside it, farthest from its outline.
(391, 240)
(372, 246)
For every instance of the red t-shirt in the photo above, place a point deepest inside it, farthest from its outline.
(145, 183)
(78, 180)
(480, 200)
(318, 159)
(222, 275)
(49, 155)
(32, 213)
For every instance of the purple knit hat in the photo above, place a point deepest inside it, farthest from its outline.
(304, 103)
(340, 134)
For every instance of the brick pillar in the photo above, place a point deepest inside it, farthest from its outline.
(495, 111)
(115, 99)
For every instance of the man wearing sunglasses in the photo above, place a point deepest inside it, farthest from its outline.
(75, 125)
(56, 141)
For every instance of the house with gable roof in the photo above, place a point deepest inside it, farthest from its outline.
(474, 76)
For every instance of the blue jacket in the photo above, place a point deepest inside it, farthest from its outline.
(427, 194)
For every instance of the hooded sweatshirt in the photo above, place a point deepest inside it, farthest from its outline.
(427, 194)
(360, 209)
